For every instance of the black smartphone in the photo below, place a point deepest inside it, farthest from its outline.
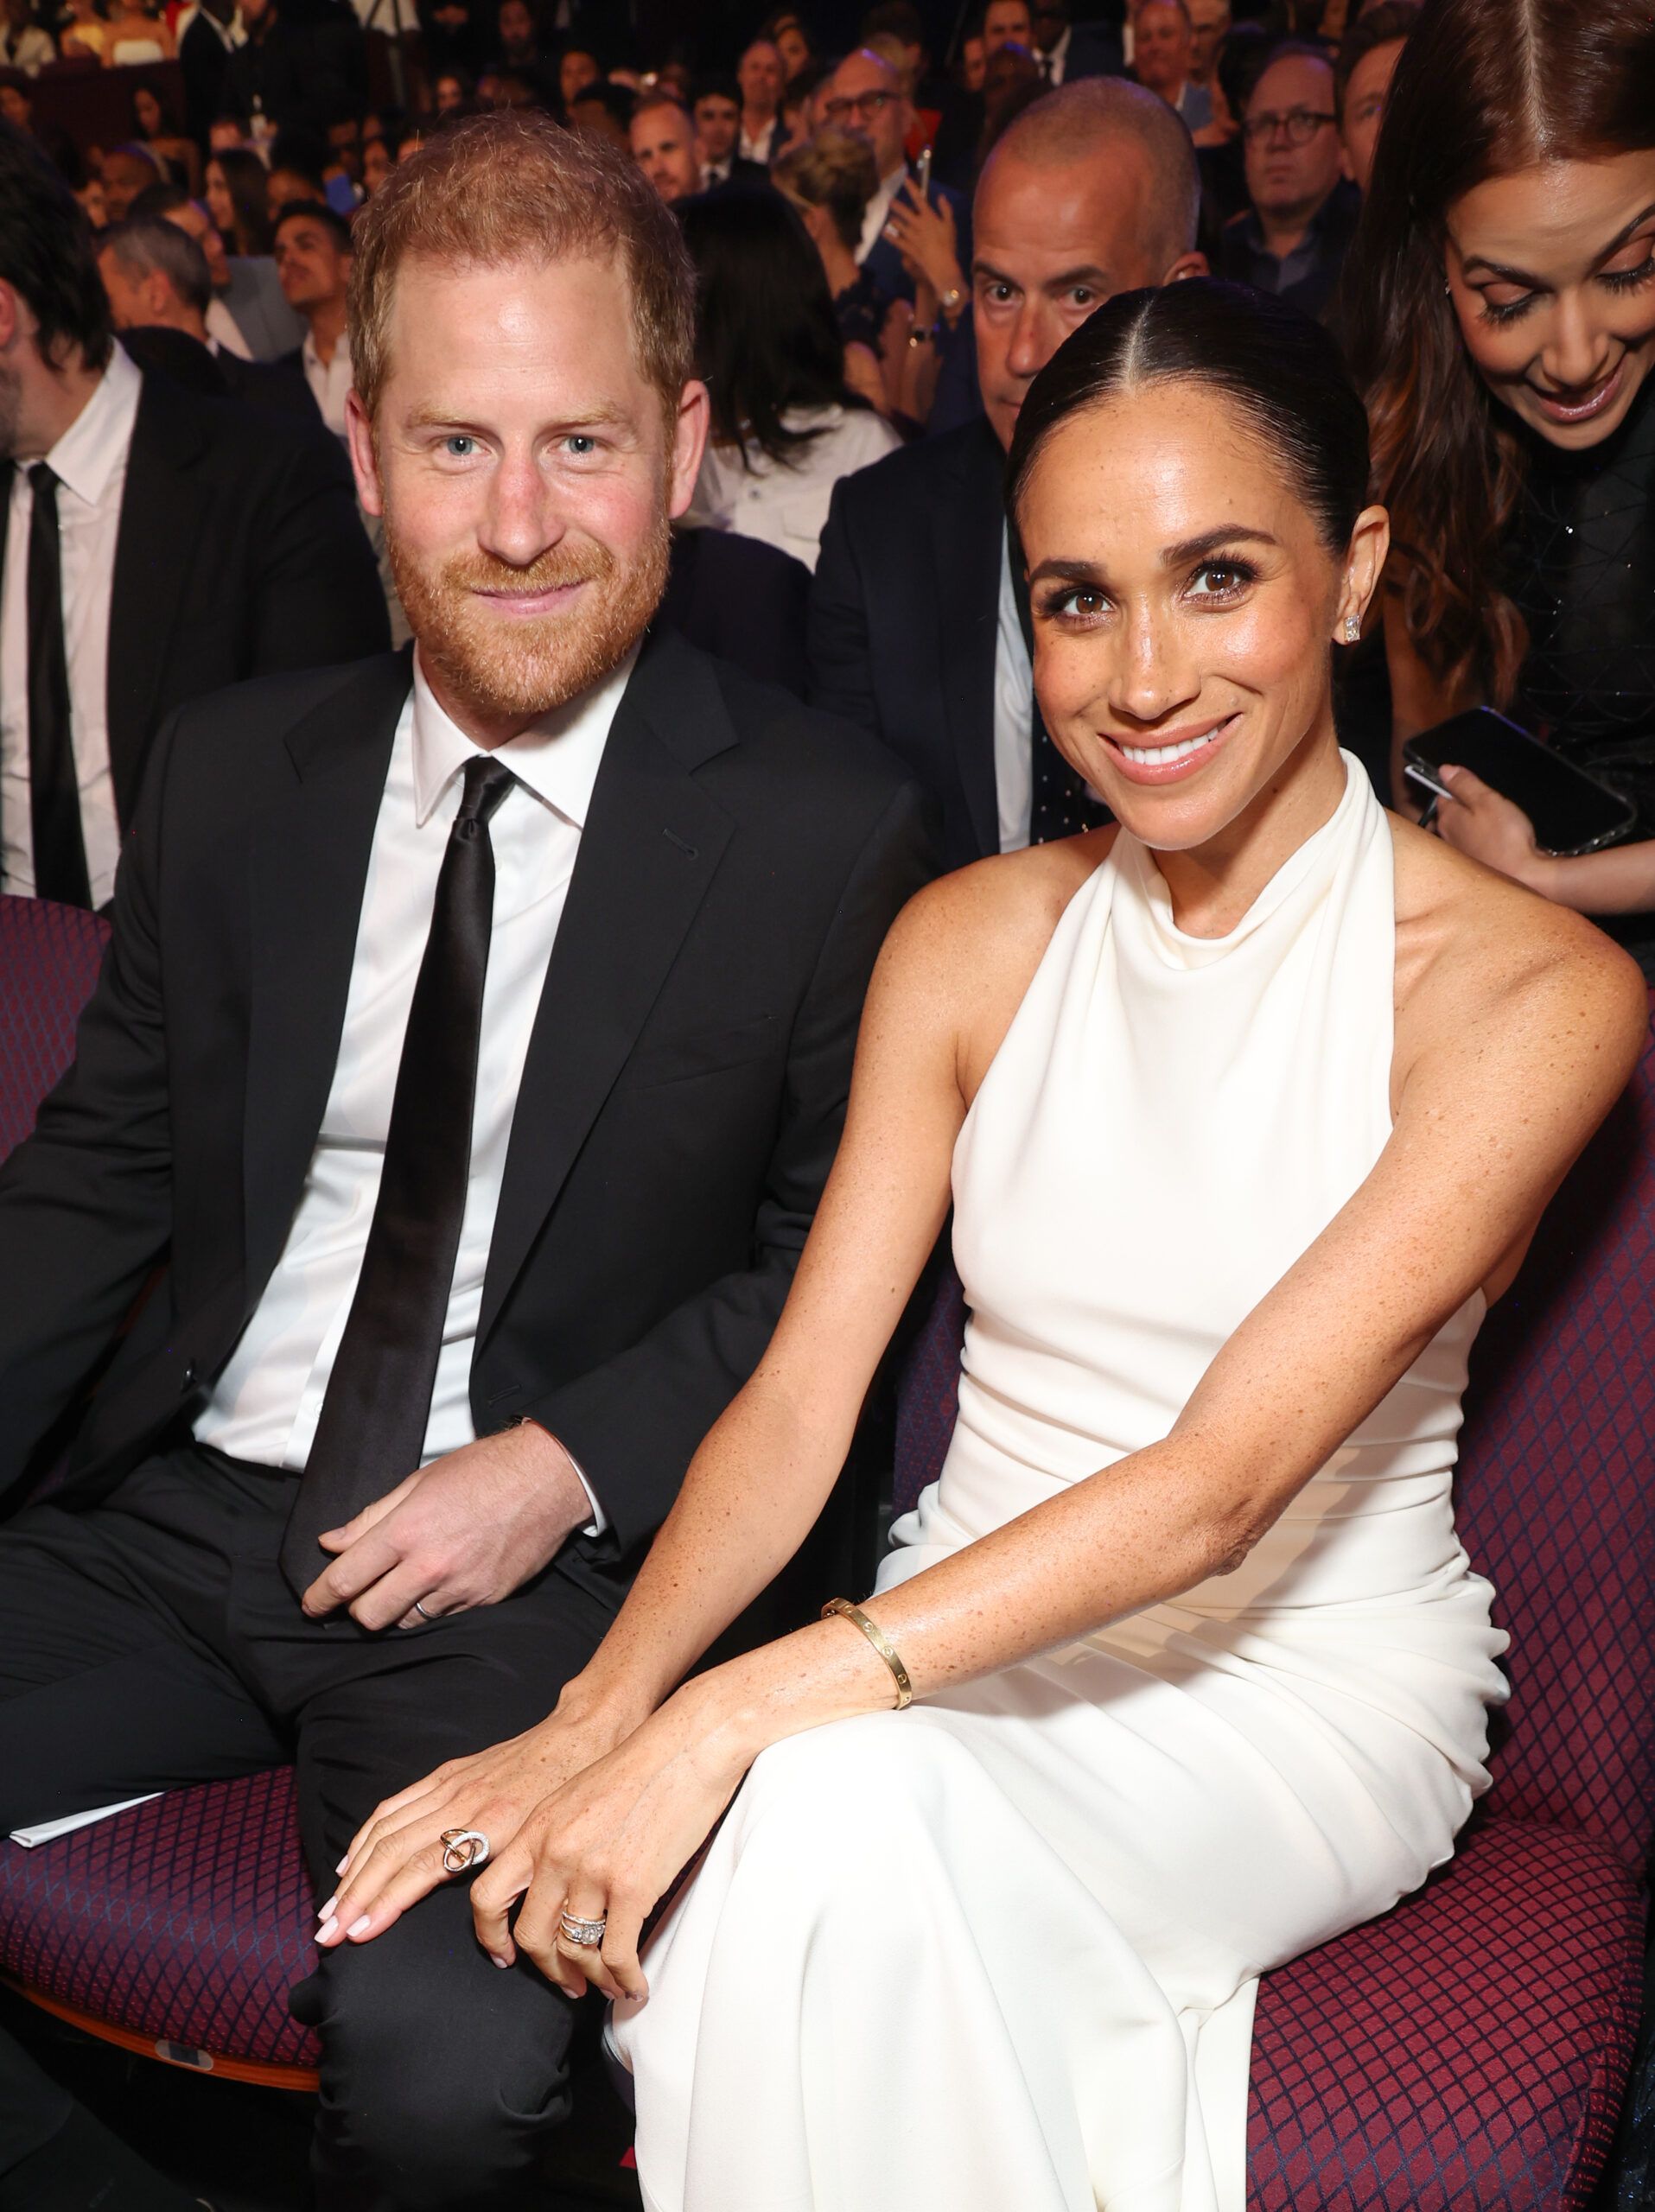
(1572, 812)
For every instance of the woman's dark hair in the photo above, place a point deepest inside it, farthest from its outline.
(766, 339)
(1482, 89)
(168, 123)
(48, 256)
(1245, 54)
(249, 186)
(1280, 373)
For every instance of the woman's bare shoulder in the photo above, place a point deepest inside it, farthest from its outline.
(1472, 946)
(964, 950)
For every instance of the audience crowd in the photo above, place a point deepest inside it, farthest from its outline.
(896, 219)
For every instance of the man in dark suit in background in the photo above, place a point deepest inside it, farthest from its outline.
(919, 618)
(159, 292)
(473, 1046)
(158, 545)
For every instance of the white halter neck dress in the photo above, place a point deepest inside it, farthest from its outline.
(1001, 1951)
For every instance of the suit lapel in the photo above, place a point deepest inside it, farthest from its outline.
(652, 843)
(967, 532)
(308, 873)
(161, 508)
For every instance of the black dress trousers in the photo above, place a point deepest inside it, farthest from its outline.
(154, 1643)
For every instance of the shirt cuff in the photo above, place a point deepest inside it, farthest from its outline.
(600, 1519)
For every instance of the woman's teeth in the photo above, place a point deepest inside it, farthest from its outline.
(1158, 756)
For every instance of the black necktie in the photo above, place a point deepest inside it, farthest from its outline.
(1061, 805)
(54, 786)
(373, 1417)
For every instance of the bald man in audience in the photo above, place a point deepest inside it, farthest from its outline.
(918, 619)
(664, 146)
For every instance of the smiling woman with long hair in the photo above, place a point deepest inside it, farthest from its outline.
(1195, 1668)
(1499, 305)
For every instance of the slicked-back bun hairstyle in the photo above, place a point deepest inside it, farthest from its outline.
(1282, 373)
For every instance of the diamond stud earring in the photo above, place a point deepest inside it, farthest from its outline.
(1352, 630)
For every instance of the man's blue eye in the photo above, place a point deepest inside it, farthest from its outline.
(461, 447)
(578, 444)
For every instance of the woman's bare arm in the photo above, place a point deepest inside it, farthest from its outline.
(1521, 1031)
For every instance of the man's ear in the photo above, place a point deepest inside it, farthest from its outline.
(10, 322)
(689, 443)
(365, 458)
(1187, 264)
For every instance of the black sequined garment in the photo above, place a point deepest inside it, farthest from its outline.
(1581, 567)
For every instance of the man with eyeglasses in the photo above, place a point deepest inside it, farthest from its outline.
(1292, 240)
(864, 94)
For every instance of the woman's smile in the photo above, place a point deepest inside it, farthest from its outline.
(1176, 753)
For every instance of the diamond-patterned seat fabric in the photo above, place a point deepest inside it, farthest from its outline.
(1468, 2051)
(49, 957)
(185, 1920)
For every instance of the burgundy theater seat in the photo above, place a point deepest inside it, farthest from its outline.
(176, 1928)
(1468, 2051)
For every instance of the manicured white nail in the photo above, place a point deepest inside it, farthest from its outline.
(499, 1961)
(325, 1911)
(327, 1931)
(358, 1927)
(343, 1864)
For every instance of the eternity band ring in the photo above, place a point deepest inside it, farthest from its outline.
(584, 1935)
(463, 1849)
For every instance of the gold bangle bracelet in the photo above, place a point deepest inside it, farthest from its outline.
(881, 1643)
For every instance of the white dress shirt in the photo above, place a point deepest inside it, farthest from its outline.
(874, 214)
(265, 1404)
(330, 381)
(89, 461)
(758, 149)
(224, 333)
(1055, 61)
(786, 502)
(1014, 715)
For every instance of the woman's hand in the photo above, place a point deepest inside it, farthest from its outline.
(1478, 821)
(926, 237)
(395, 1856)
(609, 1846)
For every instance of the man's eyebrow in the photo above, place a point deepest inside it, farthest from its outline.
(1088, 273)
(601, 416)
(1505, 275)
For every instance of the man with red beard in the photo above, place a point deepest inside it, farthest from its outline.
(471, 1053)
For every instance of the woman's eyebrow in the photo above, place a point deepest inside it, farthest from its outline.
(1506, 275)
(1214, 541)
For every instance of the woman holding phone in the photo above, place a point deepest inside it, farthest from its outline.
(1195, 1668)
(1499, 312)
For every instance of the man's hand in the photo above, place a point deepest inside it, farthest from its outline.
(467, 1531)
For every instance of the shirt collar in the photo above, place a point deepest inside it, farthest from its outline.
(557, 757)
(96, 443)
(313, 359)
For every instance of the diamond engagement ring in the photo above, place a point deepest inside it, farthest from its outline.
(584, 1935)
(463, 1849)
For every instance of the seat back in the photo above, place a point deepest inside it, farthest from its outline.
(1556, 1493)
(49, 958)
(1556, 1490)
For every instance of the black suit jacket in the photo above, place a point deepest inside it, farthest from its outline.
(742, 600)
(223, 375)
(903, 614)
(680, 1105)
(240, 553)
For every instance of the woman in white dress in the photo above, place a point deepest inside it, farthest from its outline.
(1244, 1109)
